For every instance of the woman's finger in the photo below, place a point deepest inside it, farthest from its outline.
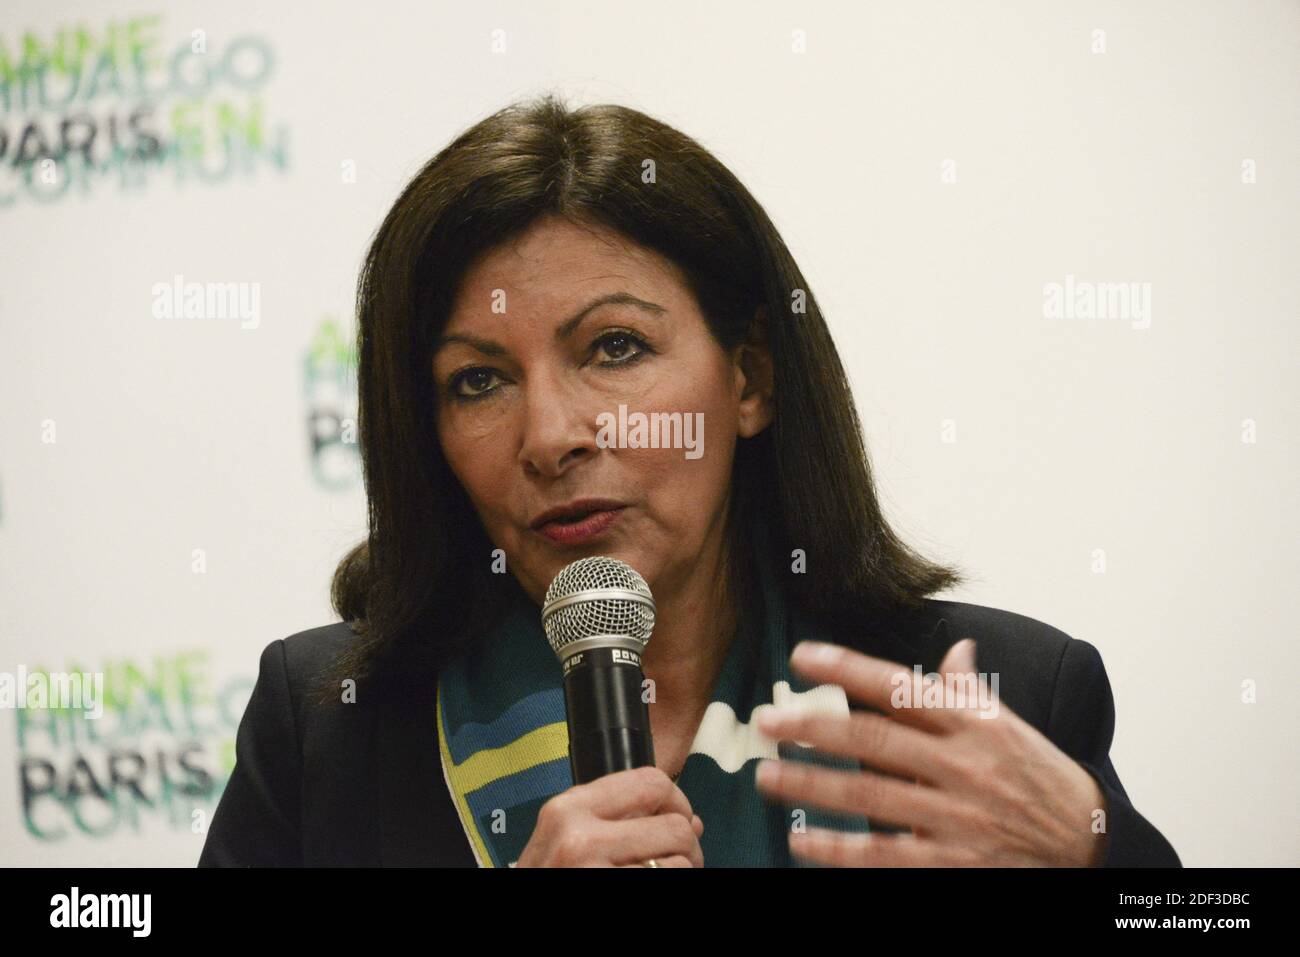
(637, 792)
(865, 793)
(838, 849)
(640, 839)
(871, 738)
(884, 685)
(677, 860)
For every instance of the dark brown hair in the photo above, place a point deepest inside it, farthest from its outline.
(421, 586)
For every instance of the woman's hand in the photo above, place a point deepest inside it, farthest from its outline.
(619, 820)
(975, 791)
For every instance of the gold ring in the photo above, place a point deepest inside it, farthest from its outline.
(651, 863)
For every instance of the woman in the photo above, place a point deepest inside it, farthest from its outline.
(547, 274)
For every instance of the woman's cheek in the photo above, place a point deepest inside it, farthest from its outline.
(478, 421)
(474, 463)
(642, 384)
(673, 485)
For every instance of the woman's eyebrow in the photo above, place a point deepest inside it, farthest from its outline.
(564, 330)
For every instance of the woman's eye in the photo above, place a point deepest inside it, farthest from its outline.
(622, 348)
(477, 381)
(616, 345)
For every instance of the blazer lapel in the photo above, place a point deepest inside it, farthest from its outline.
(906, 636)
(409, 769)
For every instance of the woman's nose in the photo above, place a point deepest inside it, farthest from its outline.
(557, 431)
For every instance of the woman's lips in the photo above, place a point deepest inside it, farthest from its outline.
(588, 527)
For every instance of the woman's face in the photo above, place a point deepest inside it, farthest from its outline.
(548, 336)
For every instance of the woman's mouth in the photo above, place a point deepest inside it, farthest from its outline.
(575, 531)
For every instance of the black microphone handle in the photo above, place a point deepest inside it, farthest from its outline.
(609, 723)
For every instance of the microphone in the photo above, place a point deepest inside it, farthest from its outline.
(598, 615)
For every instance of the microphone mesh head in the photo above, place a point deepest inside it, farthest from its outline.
(626, 608)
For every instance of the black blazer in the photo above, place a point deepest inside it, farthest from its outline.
(361, 784)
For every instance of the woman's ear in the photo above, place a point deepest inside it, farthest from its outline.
(752, 361)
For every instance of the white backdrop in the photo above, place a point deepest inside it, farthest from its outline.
(1130, 479)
